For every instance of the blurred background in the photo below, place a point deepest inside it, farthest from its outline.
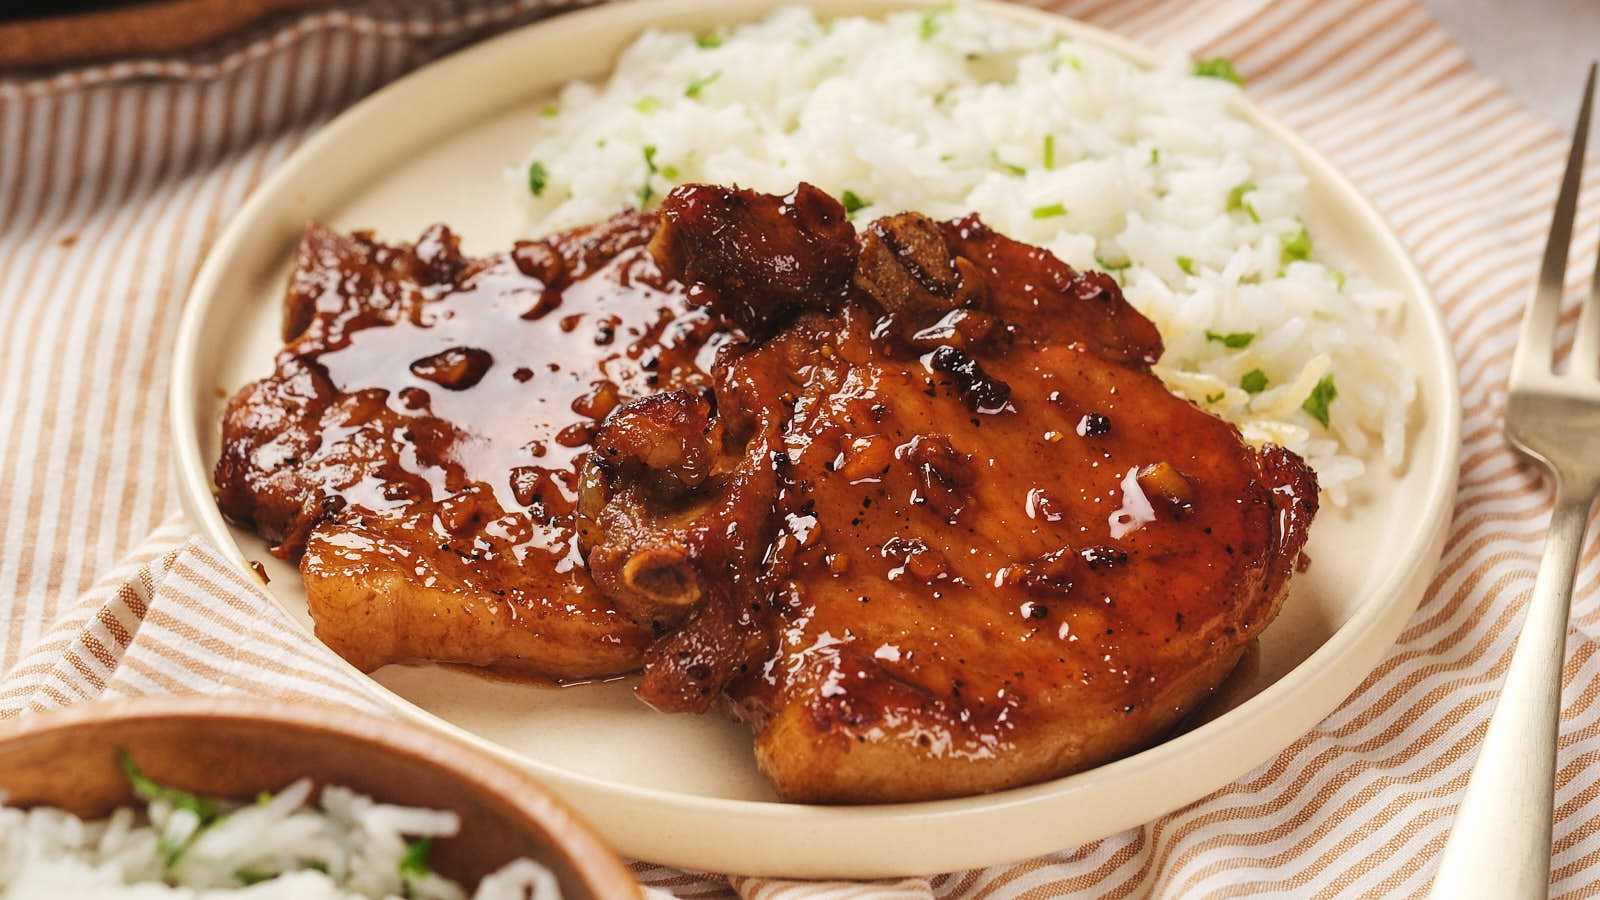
(1536, 47)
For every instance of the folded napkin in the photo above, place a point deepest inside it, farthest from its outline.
(115, 179)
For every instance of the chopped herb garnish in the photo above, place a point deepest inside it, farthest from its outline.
(550, 111)
(709, 40)
(415, 863)
(537, 177)
(1074, 62)
(146, 789)
(669, 172)
(247, 877)
(645, 192)
(1101, 261)
(1323, 394)
(1217, 67)
(170, 853)
(1155, 155)
(1233, 340)
(1009, 167)
(1254, 381)
(647, 105)
(1297, 246)
(263, 798)
(946, 157)
(929, 26)
(1212, 398)
(1049, 212)
(1236, 200)
(1049, 151)
(853, 202)
(1187, 265)
(204, 809)
(699, 84)
(1338, 278)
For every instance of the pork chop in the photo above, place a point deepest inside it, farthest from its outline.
(980, 544)
(417, 447)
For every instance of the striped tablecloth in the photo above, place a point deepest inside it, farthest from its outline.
(114, 180)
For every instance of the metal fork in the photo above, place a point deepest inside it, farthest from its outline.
(1499, 846)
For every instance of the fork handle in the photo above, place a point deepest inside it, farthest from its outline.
(1499, 847)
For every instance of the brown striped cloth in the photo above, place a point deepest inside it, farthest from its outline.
(115, 179)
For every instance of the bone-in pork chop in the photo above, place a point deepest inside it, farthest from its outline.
(417, 447)
(976, 542)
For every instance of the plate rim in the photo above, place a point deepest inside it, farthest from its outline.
(1340, 663)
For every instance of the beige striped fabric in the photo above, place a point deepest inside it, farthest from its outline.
(114, 180)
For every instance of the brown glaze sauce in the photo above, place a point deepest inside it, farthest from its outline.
(498, 379)
(989, 530)
(541, 365)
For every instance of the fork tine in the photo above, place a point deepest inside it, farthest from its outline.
(1537, 344)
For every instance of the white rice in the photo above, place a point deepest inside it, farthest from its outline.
(1150, 174)
(163, 852)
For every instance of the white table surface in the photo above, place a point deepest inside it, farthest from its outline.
(1539, 48)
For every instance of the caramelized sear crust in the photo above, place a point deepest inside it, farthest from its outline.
(997, 548)
(418, 446)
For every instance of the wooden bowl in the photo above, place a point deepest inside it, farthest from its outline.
(235, 747)
(127, 28)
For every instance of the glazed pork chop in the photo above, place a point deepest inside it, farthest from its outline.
(418, 446)
(941, 531)
(908, 501)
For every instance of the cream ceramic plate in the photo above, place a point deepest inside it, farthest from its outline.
(684, 790)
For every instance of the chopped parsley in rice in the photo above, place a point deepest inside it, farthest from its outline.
(180, 845)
